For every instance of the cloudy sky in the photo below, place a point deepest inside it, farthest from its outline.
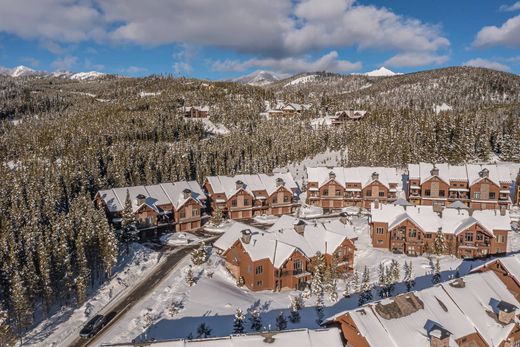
(225, 38)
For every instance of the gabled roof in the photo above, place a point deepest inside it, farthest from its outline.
(155, 195)
(511, 264)
(455, 221)
(260, 182)
(422, 216)
(361, 174)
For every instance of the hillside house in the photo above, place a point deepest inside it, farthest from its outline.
(178, 204)
(413, 229)
(195, 111)
(246, 196)
(280, 258)
(282, 109)
(477, 186)
(334, 188)
(476, 310)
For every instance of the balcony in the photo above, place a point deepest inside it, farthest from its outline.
(297, 272)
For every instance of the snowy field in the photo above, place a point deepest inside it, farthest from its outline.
(175, 310)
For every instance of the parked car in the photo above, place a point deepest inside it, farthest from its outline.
(92, 327)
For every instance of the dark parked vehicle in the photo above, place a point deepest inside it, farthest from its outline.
(92, 327)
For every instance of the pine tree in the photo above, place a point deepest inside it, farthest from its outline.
(408, 276)
(22, 312)
(320, 309)
(366, 288)
(439, 246)
(255, 320)
(203, 331)
(199, 255)
(296, 305)
(436, 278)
(356, 284)
(127, 215)
(190, 280)
(382, 280)
(238, 322)
(217, 217)
(281, 321)
(6, 335)
(318, 274)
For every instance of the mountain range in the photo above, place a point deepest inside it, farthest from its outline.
(24, 71)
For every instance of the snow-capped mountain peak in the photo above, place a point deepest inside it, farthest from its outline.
(21, 70)
(258, 78)
(381, 72)
(91, 75)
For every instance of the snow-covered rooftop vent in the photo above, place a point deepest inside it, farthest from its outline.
(458, 283)
(434, 171)
(375, 176)
(484, 173)
(140, 199)
(439, 336)
(239, 184)
(332, 175)
(506, 312)
(187, 193)
(246, 236)
(280, 182)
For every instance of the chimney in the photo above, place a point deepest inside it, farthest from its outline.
(458, 283)
(434, 171)
(503, 210)
(376, 203)
(332, 175)
(438, 208)
(506, 312)
(246, 236)
(470, 211)
(299, 227)
(280, 182)
(186, 193)
(439, 337)
(375, 176)
(484, 173)
(239, 184)
(140, 199)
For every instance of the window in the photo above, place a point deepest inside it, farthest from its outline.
(468, 237)
(380, 231)
(427, 192)
(413, 233)
(369, 192)
(441, 193)
(246, 202)
(298, 264)
(338, 192)
(259, 269)
(382, 194)
(379, 242)
(249, 269)
(194, 212)
(480, 237)
(492, 195)
(325, 192)
(501, 238)
(275, 200)
(476, 195)
(183, 214)
(259, 283)
(285, 198)
(233, 203)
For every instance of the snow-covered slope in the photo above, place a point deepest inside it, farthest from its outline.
(258, 78)
(23, 71)
(381, 72)
(300, 80)
(91, 75)
(19, 71)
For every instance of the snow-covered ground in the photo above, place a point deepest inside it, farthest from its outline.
(300, 80)
(442, 108)
(64, 325)
(179, 239)
(175, 310)
(210, 127)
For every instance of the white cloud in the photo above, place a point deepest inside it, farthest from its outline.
(65, 63)
(328, 62)
(506, 35)
(91, 66)
(414, 59)
(510, 8)
(33, 62)
(182, 68)
(489, 64)
(133, 70)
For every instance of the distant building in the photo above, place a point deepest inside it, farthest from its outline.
(333, 188)
(413, 229)
(287, 109)
(280, 257)
(476, 310)
(177, 204)
(245, 196)
(477, 186)
(338, 118)
(195, 111)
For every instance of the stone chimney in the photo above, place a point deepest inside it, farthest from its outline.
(439, 337)
(246, 236)
(438, 208)
(470, 211)
(458, 283)
(239, 184)
(503, 210)
(376, 203)
(280, 182)
(140, 199)
(434, 171)
(506, 312)
(484, 173)
(375, 176)
(186, 193)
(332, 175)
(299, 227)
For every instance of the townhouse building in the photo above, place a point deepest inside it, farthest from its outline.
(477, 186)
(507, 270)
(413, 229)
(474, 311)
(178, 205)
(334, 188)
(246, 196)
(280, 258)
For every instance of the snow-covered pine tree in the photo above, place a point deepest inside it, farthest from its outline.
(255, 320)
(366, 288)
(408, 279)
(6, 334)
(239, 322)
(356, 282)
(296, 305)
(127, 215)
(190, 280)
(381, 280)
(281, 321)
(199, 255)
(439, 245)
(318, 274)
(320, 309)
(203, 331)
(217, 217)
(436, 278)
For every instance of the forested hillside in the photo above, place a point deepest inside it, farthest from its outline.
(61, 141)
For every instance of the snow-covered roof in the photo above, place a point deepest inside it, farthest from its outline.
(466, 173)
(511, 263)
(457, 310)
(361, 174)
(352, 114)
(259, 182)
(330, 337)
(281, 240)
(154, 195)
(198, 108)
(452, 221)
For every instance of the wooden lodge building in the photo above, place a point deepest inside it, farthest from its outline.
(477, 186)
(246, 196)
(474, 311)
(507, 269)
(280, 258)
(282, 109)
(334, 188)
(178, 205)
(413, 229)
(195, 111)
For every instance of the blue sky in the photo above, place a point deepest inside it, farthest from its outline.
(225, 38)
